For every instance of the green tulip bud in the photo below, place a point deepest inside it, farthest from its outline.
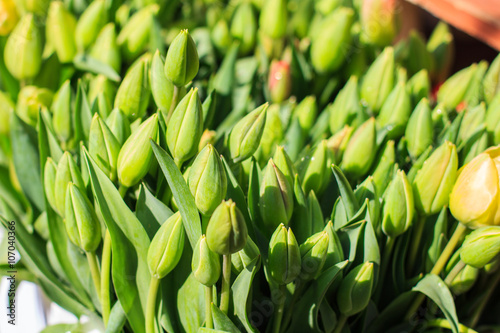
(60, 31)
(10, 17)
(283, 162)
(220, 36)
(472, 120)
(306, 112)
(23, 49)
(119, 125)
(301, 18)
(208, 137)
(207, 180)
(185, 127)
(106, 48)
(245, 256)
(272, 135)
(244, 27)
(493, 115)
(136, 154)
(49, 182)
(368, 190)
(337, 143)
(433, 183)
(379, 80)
(103, 147)
(29, 102)
(419, 130)
(280, 81)
(182, 63)
(328, 48)
(464, 281)
(161, 87)
(132, 97)
(355, 289)
(62, 119)
(378, 22)
(245, 136)
(273, 18)
(346, 107)
(165, 249)
(398, 207)
(7, 106)
(481, 247)
(475, 145)
(134, 37)
(384, 167)
(440, 45)
(284, 256)
(361, 150)
(276, 198)
(419, 86)
(395, 111)
(101, 85)
(315, 169)
(67, 172)
(90, 24)
(453, 90)
(82, 225)
(418, 55)
(227, 229)
(474, 93)
(334, 254)
(313, 255)
(491, 82)
(205, 263)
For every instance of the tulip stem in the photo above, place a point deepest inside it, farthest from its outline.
(94, 270)
(418, 231)
(299, 286)
(279, 311)
(175, 101)
(122, 190)
(454, 272)
(105, 280)
(389, 246)
(340, 323)
(209, 323)
(439, 265)
(226, 282)
(151, 304)
(485, 299)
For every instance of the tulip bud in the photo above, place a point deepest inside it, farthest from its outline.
(136, 154)
(355, 290)
(328, 49)
(185, 127)
(398, 207)
(493, 115)
(276, 198)
(378, 22)
(306, 112)
(384, 167)
(182, 64)
(29, 102)
(475, 196)
(272, 135)
(284, 256)
(161, 87)
(361, 150)
(220, 36)
(227, 229)
(419, 86)
(368, 190)
(337, 143)
(302, 17)
(23, 49)
(106, 48)
(244, 27)
(9, 17)
(165, 249)
(245, 256)
(476, 144)
(283, 162)
(440, 45)
(379, 80)
(313, 255)
(245, 136)
(474, 93)
(49, 181)
(418, 55)
(334, 254)
(273, 18)
(208, 137)
(280, 81)
(6, 108)
(134, 37)
(101, 85)
(103, 147)
(207, 180)
(453, 90)
(62, 119)
(90, 24)
(419, 130)
(60, 31)
(67, 172)
(472, 120)
(491, 82)
(205, 263)
(395, 111)
(82, 225)
(346, 107)
(433, 183)
(464, 281)
(481, 247)
(315, 169)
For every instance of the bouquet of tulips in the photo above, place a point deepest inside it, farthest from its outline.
(248, 166)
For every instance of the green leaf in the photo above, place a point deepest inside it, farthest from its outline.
(86, 63)
(151, 211)
(254, 192)
(83, 114)
(222, 321)
(300, 223)
(117, 318)
(442, 323)
(46, 131)
(210, 330)
(129, 243)
(392, 314)
(181, 193)
(241, 288)
(191, 304)
(346, 193)
(433, 287)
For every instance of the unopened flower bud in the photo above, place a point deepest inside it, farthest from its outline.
(49, 182)
(244, 27)
(398, 207)
(361, 150)
(205, 263)
(346, 107)
(378, 21)
(313, 255)
(384, 167)
(464, 280)
(283, 162)
(334, 254)
(62, 118)
(419, 86)
(60, 31)
(419, 130)
(10, 16)
(355, 290)
(106, 48)
(453, 90)
(245, 256)
(395, 111)
(440, 45)
(119, 125)
(67, 172)
(29, 102)
(273, 18)
(103, 147)
(182, 63)
(280, 81)
(315, 169)
(284, 256)
(161, 87)
(90, 24)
